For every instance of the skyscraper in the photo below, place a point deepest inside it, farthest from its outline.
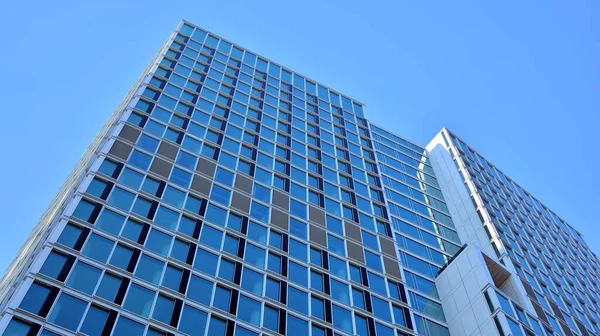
(229, 195)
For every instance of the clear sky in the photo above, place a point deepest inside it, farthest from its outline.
(517, 80)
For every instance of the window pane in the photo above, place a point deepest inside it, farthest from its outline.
(98, 248)
(249, 310)
(70, 235)
(163, 309)
(139, 300)
(67, 312)
(109, 286)
(193, 321)
(149, 269)
(200, 290)
(54, 264)
(252, 281)
(84, 278)
(127, 327)
(110, 222)
(94, 321)
(34, 299)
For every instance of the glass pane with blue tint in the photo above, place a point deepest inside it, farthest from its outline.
(54, 264)
(131, 178)
(206, 262)
(211, 237)
(200, 290)
(94, 321)
(121, 257)
(84, 278)
(342, 319)
(297, 300)
(222, 298)
(149, 269)
(249, 310)
(109, 287)
(159, 242)
(110, 222)
(252, 281)
(132, 230)
(139, 300)
(98, 248)
(35, 298)
(67, 312)
(127, 327)
(163, 309)
(121, 199)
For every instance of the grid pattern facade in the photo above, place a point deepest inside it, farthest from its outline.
(236, 197)
(559, 272)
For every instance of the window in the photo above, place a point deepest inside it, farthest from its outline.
(172, 278)
(227, 269)
(257, 233)
(67, 312)
(249, 310)
(222, 298)
(70, 235)
(149, 269)
(340, 292)
(217, 326)
(211, 237)
(200, 290)
(399, 315)
(127, 327)
(381, 308)
(206, 262)
(94, 322)
(168, 218)
(121, 257)
(159, 242)
(98, 248)
(35, 298)
(110, 222)
(252, 281)
(121, 199)
(298, 274)
(298, 250)
(296, 326)
(84, 278)
(132, 230)
(317, 308)
(84, 211)
(139, 300)
(109, 287)
(271, 318)
(273, 289)
(342, 319)
(163, 309)
(54, 265)
(298, 300)
(255, 256)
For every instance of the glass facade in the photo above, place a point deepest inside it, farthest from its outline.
(233, 196)
(558, 270)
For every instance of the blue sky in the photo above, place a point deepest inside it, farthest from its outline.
(517, 80)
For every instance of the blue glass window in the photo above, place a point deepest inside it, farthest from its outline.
(259, 212)
(54, 264)
(149, 269)
(271, 318)
(159, 242)
(249, 310)
(174, 197)
(211, 237)
(110, 222)
(172, 278)
(298, 300)
(67, 312)
(139, 300)
(94, 322)
(98, 248)
(227, 269)
(298, 274)
(336, 245)
(297, 250)
(217, 326)
(121, 199)
(337, 267)
(255, 256)
(340, 292)
(257, 233)
(193, 321)
(200, 290)
(252, 281)
(132, 230)
(222, 298)
(127, 327)
(206, 262)
(35, 298)
(215, 215)
(180, 177)
(84, 210)
(381, 308)
(109, 287)
(70, 235)
(84, 278)
(121, 256)
(163, 309)
(131, 178)
(342, 319)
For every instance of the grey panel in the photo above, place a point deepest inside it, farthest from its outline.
(387, 246)
(243, 183)
(529, 289)
(168, 150)
(281, 200)
(279, 219)
(161, 167)
(206, 167)
(120, 150)
(129, 133)
(316, 215)
(355, 252)
(540, 312)
(201, 185)
(240, 202)
(353, 231)
(392, 267)
(318, 235)
(566, 330)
